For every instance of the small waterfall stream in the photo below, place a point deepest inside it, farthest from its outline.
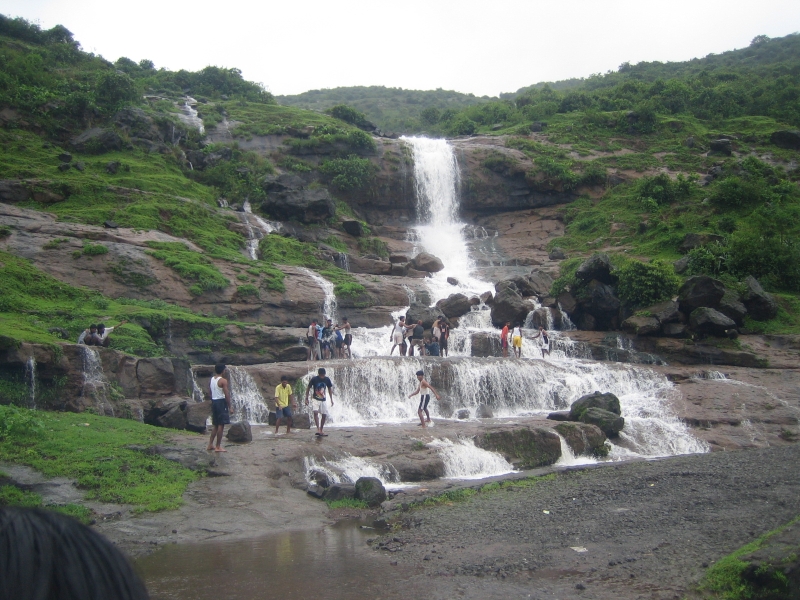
(30, 379)
(247, 403)
(329, 305)
(95, 383)
(257, 233)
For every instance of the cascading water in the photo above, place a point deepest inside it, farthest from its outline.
(464, 460)
(247, 403)
(375, 390)
(30, 378)
(348, 469)
(188, 114)
(95, 384)
(197, 393)
(329, 305)
(568, 457)
(257, 233)
(439, 230)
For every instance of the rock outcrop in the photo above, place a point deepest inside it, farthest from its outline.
(525, 447)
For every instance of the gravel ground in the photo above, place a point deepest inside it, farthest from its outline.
(649, 529)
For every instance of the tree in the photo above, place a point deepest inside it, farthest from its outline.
(758, 40)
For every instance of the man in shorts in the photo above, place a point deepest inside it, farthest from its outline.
(544, 341)
(319, 384)
(220, 407)
(444, 335)
(348, 338)
(311, 340)
(327, 340)
(397, 335)
(417, 339)
(424, 389)
(516, 340)
(284, 394)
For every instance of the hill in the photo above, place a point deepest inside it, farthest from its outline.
(391, 109)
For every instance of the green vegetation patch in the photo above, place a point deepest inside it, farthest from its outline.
(13, 496)
(724, 579)
(346, 503)
(350, 173)
(93, 451)
(190, 265)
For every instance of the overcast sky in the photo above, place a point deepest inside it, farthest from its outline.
(480, 46)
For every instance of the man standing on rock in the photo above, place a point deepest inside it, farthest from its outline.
(444, 335)
(220, 407)
(417, 339)
(319, 384)
(504, 339)
(424, 389)
(348, 338)
(545, 341)
(516, 340)
(397, 335)
(311, 340)
(283, 394)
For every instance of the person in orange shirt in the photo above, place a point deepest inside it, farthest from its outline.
(504, 339)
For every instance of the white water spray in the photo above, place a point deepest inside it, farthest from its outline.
(329, 305)
(95, 383)
(189, 116)
(247, 403)
(464, 460)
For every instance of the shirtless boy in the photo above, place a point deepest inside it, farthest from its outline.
(424, 389)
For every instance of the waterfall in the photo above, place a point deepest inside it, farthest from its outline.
(30, 378)
(329, 304)
(439, 230)
(197, 393)
(376, 390)
(568, 458)
(189, 116)
(257, 233)
(348, 469)
(95, 384)
(247, 403)
(464, 460)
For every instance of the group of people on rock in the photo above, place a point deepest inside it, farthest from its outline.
(411, 336)
(97, 335)
(329, 340)
(512, 336)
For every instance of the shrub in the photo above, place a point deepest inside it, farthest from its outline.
(734, 192)
(189, 265)
(349, 173)
(348, 114)
(18, 424)
(709, 259)
(247, 290)
(94, 249)
(642, 284)
(664, 190)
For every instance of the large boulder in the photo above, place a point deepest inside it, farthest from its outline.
(732, 307)
(695, 240)
(96, 140)
(424, 468)
(599, 301)
(641, 325)
(665, 312)
(698, 291)
(138, 124)
(174, 418)
(549, 318)
(197, 416)
(509, 306)
(606, 401)
(583, 438)
(536, 283)
(353, 227)
(721, 146)
(340, 491)
(485, 344)
(370, 490)
(307, 205)
(526, 448)
(426, 262)
(786, 138)
(608, 422)
(711, 322)
(240, 432)
(596, 267)
(420, 312)
(156, 376)
(455, 305)
(760, 304)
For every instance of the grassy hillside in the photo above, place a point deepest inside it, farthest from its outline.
(391, 109)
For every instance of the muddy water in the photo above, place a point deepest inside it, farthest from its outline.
(333, 563)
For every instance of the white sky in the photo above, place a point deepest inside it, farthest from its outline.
(480, 46)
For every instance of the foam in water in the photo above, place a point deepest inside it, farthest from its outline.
(348, 469)
(188, 115)
(376, 390)
(247, 403)
(257, 233)
(464, 460)
(197, 393)
(568, 457)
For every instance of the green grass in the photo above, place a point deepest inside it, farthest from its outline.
(13, 496)
(724, 580)
(271, 119)
(346, 503)
(190, 265)
(92, 450)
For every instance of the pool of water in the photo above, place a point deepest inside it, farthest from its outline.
(333, 563)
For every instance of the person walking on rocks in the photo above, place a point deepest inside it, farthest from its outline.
(397, 335)
(220, 407)
(443, 336)
(319, 384)
(544, 341)
(283, 394)
(516, 340)
(424, 389)
(504, 339)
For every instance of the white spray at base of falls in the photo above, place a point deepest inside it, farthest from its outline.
(247, 403)
(464, 460)
(348, 469)
(329, 304)
(375, 390)
(440, 230)
(569, 458)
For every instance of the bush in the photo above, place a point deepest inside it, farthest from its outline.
(662, 189)
(348, 114)
(734, 192)
(642, 284)
(189, 265)
(349, 173)
(18, 424)
(709, 259)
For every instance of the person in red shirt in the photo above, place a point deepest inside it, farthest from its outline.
(504, 339)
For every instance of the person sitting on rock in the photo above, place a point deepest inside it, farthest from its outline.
(103, 331)
(431, 346)
(89, 336)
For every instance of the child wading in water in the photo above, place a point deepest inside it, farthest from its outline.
(424, 388)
